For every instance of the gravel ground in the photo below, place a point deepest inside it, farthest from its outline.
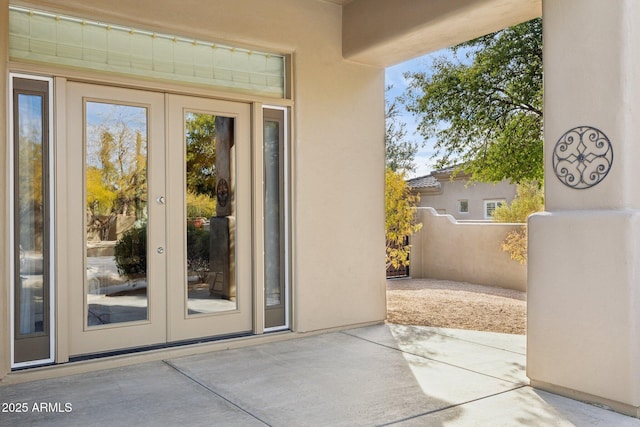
(447, 304)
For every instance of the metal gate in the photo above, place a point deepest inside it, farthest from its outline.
(401, 271)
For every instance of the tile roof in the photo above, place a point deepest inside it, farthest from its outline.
(427, 181)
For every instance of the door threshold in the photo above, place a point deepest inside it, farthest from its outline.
(146, 348)
(143, 355)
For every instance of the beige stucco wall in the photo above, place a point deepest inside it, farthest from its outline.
(466, 252)
(583, 308)
(476, 193)
(337, 144)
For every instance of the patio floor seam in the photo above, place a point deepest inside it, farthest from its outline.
(472, 342)
(209, 389)
(455, 405)
(434, 360)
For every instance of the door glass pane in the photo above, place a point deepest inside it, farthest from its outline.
(30, 216)
(274, 279)
(210, 221)
(116, 213)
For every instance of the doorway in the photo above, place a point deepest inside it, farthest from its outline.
(158, 241)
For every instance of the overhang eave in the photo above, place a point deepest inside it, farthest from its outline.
(384, 33)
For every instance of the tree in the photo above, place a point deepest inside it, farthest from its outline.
(529, 199)
(400, 203)
(399, 152)
(486, 112)
(399, 218)
(201, 153)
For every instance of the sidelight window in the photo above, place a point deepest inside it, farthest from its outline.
(31, 220)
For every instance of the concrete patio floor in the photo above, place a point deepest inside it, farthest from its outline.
(376, 375)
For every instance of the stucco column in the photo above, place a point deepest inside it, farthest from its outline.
(584, 252)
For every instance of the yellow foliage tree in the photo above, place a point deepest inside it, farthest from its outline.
(200, 205)
(399, 219)
(100, 199)
(529, 199)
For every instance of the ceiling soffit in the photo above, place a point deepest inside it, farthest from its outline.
(384, 32)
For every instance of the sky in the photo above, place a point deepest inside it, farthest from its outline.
(394, 76)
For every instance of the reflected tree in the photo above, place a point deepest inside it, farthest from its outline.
(30, 203)
(201, 153)
(116, 167)
(200, 137)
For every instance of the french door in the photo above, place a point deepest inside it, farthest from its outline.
(158, 218)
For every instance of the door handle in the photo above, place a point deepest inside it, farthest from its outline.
(160, 250)
(160, 200)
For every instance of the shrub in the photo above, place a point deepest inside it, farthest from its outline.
(200, 205)
(529, 199)
(131, 251)
(198, 251)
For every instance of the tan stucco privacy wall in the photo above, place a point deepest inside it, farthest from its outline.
(465, 252)
(337, 144)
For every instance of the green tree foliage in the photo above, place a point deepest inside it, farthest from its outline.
(529, 199)
(486, 112)
(399, 218)
(399, 152)
(201, 153)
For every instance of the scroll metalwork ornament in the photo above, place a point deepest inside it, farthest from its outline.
(222, 192)
(582, 157)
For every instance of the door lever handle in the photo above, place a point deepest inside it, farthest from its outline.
(160, 200)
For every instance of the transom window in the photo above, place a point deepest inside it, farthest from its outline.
(38, 36)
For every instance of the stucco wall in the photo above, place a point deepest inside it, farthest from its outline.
(337, 141)
(467, 252)
(476, 193)
(583, 326)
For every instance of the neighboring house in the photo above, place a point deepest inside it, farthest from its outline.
(453, 194)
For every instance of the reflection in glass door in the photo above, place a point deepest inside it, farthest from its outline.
(113, 257)
(157, 246)
(116, 198)
(209, 224)
(31, 252)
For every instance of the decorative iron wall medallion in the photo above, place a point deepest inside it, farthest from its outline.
(582, 157)
(222, 192)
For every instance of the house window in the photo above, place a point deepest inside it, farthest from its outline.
(463, 206)
(490, 206)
